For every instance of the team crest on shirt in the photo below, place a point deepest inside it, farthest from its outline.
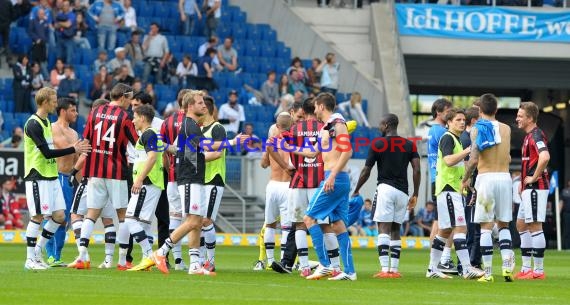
(194, 207)
(309, 160)
(460, 219)
(45, 207)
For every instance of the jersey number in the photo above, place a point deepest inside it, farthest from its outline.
(108, 136)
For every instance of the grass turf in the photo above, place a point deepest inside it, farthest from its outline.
(236, 283)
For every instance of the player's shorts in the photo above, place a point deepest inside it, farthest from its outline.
(389, 205)
(354, 207)
(143, 205)
(101, 190)
(79, 205)
(297, 203)
(450, 210)
(44, 197)
(67, 191)
(533, 206)
(332, 204)
(276, 202)
(193, 199)
(494, 198)
(174, 203)
(214, 195)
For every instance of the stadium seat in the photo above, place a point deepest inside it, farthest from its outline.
(251, 49)
(145, 10)
(238, 33)
(253, 32)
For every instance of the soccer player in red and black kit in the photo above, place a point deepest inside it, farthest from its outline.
(169, 131)
(108, 129)
(534, 193)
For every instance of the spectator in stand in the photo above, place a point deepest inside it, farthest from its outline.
(286, 103)
(119, 61)
(206, 71)
(297, 64)
(186, 70)
(57, 73)
(296, 83)
(129, 23)
(298, 97)
(227, 55)
(80, 6)
(38, 81)
(253, 146)
(233, 112)
(10, 216)
(149, 89)
(16, 140)
(66, 27)
(122, 76)
(213, 11)
(211, 43)
(188, 10)
(270, 90)
(137, 85)
(134, 50)
(22, 85)
(329, 78)
(102, 83)
(49, 18)
(107, 14)
(425, 217)
(80, 38)
(409, 227)
(314, 77)
(38, 30)
(169, 73)
(155, 47)
(352, 109)
(283, 85)
(6, 17)
(69, 86)
(366, 222)
(102, 60)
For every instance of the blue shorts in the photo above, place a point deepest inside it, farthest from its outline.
(331, 204)
(354, 207)
(68, 193)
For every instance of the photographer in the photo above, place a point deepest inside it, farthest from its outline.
(15, 141)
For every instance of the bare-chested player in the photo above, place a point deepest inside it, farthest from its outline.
(63, 137)
(490, 154)
(277, 191)
(331, 199)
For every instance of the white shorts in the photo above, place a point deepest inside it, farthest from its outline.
(214, 195)
(494, 198)
(79, 205)
(450, 210)
(276, 202)
(533, 206)
(143, 205)
(193, 199)
(174, 204)
(297, 202)
(101, 190)
(44, 197)
(390, 206)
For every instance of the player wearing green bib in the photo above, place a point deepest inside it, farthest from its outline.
(214, 178)
(148, 183)
(451, 213)
(43, 191)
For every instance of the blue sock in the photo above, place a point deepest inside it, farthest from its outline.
(346, 252)
(59, 237)
(319, 244)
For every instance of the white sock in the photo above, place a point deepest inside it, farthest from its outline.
(86, 230)
(302, 247)
(49, 229)
(395, 248)
(123, 241)
(526, 251)
(283, 241)
(446, 255)
(110, 239)
(177, 249)
(383, 244)
(210, 240)
(269, 240)
(460, 241)
(538, 247)
(487, 251)
(331, 244)
(194, 259)
(437, 248)
(32, 231)
(76, 226)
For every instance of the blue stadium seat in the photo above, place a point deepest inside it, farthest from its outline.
(307, 63)
(145, 10)
(253, 32)
(238, 33)
(238, 16)
(251, 49)
(284, 53)
(162, 10)
(173, 11)
(340, 97)
(234, 82)
(223, 31)
(268, 50)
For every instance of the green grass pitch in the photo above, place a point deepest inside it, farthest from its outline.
(236, 283)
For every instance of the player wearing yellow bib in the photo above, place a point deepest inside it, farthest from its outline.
(43, 191)
(451, 213)
(215, 178)
(148, 183)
